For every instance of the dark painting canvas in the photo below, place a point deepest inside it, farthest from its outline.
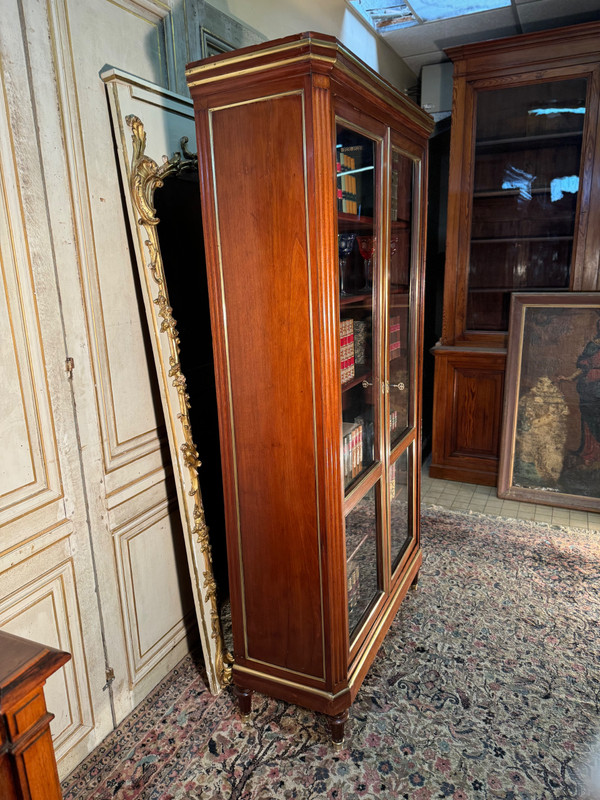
(551, 436)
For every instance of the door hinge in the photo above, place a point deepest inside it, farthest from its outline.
(69, 366)
(110, 676)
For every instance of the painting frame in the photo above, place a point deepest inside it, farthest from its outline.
(550, 442)
(145, 168)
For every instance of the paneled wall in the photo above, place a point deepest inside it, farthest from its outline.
(91, 553)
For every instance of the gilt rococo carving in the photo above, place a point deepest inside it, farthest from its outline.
(146, 177)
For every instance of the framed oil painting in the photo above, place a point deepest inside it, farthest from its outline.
(550, 446)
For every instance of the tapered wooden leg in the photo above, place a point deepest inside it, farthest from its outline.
(336, 726)
(415, 581)
(244, 700)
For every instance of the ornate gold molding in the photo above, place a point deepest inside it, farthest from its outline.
(146, 176)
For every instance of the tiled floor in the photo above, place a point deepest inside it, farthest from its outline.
(484, 500)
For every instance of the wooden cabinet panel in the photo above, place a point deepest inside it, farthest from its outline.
(468, 389)
(477, 422)
(312, 216)
(273, 433)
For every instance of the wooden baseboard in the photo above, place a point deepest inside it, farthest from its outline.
(464, 475)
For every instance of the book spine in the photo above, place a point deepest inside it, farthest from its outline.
(392, 481)
(353, 586)
(347, 349)
(347, 188)
(394, 337)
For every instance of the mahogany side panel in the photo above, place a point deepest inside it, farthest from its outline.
(265, 296)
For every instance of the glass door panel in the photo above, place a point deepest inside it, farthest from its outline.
(362, 562)
(400, 493)
(356, 160)
(400, 250)
(527, 164)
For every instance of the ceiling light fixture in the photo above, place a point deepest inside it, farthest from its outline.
(382, 17)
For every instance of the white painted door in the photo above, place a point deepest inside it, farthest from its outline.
(92, 558)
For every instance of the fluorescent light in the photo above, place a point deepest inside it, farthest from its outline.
(382, 16)
(432, 10)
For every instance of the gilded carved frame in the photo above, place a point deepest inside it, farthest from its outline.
(144, 176)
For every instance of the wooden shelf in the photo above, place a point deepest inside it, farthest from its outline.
(491, 193)
(358, 378)
(513, 239)
(353, 222)
(361, 300)
(528, 288)
(536, 140)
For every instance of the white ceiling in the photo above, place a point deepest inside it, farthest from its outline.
(425, 43)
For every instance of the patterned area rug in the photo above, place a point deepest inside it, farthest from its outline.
(487, 686)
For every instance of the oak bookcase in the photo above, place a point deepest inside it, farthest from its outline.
(524, 191)
(313, 175)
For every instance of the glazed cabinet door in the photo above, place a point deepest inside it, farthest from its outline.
(401, 375)
(378, 250)
(526, 183)
(359, 154)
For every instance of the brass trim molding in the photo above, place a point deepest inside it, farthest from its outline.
(146, 176)
(293, 684)
(239, 58)
(311, 49)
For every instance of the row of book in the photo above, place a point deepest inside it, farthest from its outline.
(346, 190)
(353, 346)
(352, 450)
(353, 445)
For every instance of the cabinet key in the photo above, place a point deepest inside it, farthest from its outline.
(400, 386)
